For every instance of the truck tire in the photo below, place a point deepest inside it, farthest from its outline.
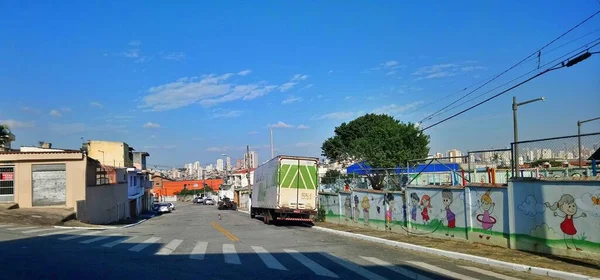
(252, 214)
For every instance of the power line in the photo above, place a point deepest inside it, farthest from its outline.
(505, 71)
(586, 46)
(568, 63)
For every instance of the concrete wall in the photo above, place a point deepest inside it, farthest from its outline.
(110, 153)
(558, 216)
(75, 165)
(104, 204)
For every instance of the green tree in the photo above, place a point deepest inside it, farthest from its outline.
(5, 135)
(330, 176)
(379, 141)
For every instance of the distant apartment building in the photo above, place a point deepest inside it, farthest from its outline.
(228, 163)
(439, 155)
(453, 155)
(251, 160)
(239, 163)
(118, 154)
(219, 164)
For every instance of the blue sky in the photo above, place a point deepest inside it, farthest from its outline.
(190, 80)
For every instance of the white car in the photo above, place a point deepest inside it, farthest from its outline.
(209, 201)
(162, 208)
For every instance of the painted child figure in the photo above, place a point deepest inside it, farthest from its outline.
(425, 205)
(566, 204)
(450, 216)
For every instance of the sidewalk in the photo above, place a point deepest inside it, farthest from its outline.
(36, 216)
(579, 266)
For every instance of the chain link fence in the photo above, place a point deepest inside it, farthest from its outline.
(557, 157)
(441, 171)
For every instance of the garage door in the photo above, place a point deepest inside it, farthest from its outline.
(49, 184)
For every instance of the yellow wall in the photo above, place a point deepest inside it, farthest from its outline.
(115, 153)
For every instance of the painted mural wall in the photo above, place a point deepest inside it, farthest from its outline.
(559, 217)
(437, 211)
(331, 203)
(487, 221)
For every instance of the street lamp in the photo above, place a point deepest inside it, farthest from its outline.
(579, 123)
(515, 106)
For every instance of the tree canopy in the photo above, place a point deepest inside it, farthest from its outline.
(379, 141)
(5, 135)
(331, 176)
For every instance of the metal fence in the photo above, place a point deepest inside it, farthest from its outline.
(566, 151)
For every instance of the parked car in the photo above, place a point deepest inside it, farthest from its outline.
(209, 201)
(227, 204)
(161, 208)
(198, 199)
(171, 206)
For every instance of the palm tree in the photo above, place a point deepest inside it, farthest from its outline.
(5, 135)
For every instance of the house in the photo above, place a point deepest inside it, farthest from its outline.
(118, 154)
(138, 191)
(242, 189)
(139, 160)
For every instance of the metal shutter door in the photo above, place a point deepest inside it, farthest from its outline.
(49, 184)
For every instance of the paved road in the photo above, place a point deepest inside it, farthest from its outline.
(193, 243)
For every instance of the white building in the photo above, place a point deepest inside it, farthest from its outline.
(454, 153)
(251, 159)
(219, 164)
(228, 163)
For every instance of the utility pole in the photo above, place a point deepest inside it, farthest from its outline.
(515, 106)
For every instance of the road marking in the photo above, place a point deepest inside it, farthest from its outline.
(117, 242)
(78, 236)
(37, 230)
(353, 267)
(199, 251)
(88, 241)
(440, 270)
(230, 254)
(395, 268)
(59, 232)
(1, 226)
(489, 273)
(268, 259)
(169, 248)
(310, 264)
(225, 232)
(20, 228)
(144, 244)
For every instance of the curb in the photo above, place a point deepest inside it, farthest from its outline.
(87, 228)
(461, 256)
(245, 212)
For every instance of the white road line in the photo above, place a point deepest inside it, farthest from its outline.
(60, 232)
(88, 241)
(37, 230)
(1, 226)
(404, 272)
(353, 267)
(310, 264)
(439, 270)
(144, 244)
(169, 248)
(230, 254)
(268, 259)
(199, 251)
(117, 242)
(20, 228)
(489, 273)
(78, 236)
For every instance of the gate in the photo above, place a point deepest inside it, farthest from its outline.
(7, 184)
(49, 184)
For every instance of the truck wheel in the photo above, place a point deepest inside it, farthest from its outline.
(252, 215)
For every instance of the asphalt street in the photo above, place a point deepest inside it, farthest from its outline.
(193, 243)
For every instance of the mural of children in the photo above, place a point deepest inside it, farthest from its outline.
(486, 219)
(356, 210)
(365, 205)
(348, 208)
(566, 204)
(450, 216)
(390, 210)
(425, 204)
(414, 202)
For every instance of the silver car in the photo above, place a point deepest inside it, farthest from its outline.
(209, 201)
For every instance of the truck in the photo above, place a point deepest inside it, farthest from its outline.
(285, 189)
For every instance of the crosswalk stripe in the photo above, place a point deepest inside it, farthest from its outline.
(489, 273)
(268, 259)
(144, 244)
(351, 266)
(169, 248)
(88, 241)
(20, 228)
(1, 226)
(230, 254)
(59, 232)
(117, 242)
(440, 270)
(37, 230)
(199, 251)
(404, 272)
(310, 264)
(77, 236)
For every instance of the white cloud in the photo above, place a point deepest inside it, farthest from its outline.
(280, 124)
(336, 116)
(291, 99)
(208, 91)
(394, 109)
(254, 132)
(586, 204)
(170, 147)
(390, 73)
(544, 231)
(96, 104)
(330, 71)
(177, 56)
(135, 43)
(434, 69)
(151, 125)
(302, 126)
(445, 70)
(55, 113)
(14, 124)
(306, 87)
(473, 68)
(299, 77)
(287, 86)
(245, 72)
(531, 207)
(228, 114)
